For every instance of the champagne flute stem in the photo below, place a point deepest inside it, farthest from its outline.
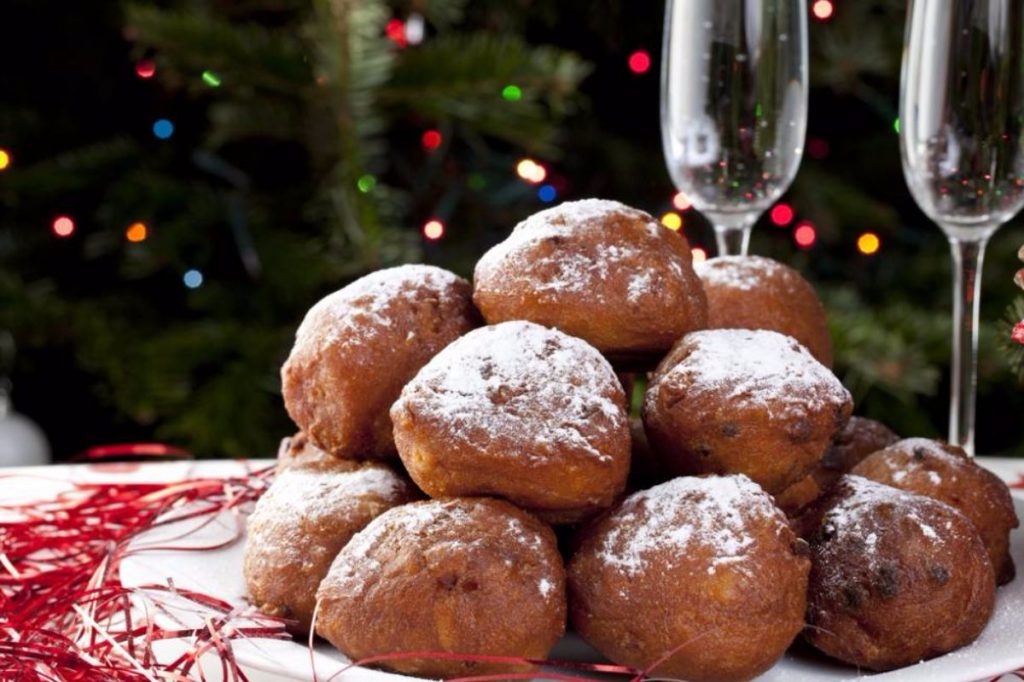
(968, 257)
(732, 236)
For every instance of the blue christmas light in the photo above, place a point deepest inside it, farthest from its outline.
(193, 279)
(547, 193)
(163, 128)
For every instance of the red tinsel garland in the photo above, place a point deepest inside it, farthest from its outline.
(64, 614)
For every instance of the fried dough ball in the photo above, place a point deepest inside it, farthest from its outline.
(357, 347)
(599, 270)
(896, 577)
(297, 452)
(706, 569)
(521, 412)
(945, 472)
(858, 439)
(302, 522)
(743, 401)
(462, 575)
(753, 292)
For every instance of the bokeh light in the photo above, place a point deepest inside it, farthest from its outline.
(547, 193)
(896, 125)
(531, 171)
(823, 9)
(433, 229)
(640, 62)
(193, 279)
(163, 128)
(136, 232)
(63, 226)
(672, 221)
(366, 183)
(817, 148)
(805, 235)
(145, 68)
(213, 80)
(5, 159)
(782, 214)
(869, 243)
(431, 140)
(699, 255)
(512, 93)
(395, 31)
(681, 202)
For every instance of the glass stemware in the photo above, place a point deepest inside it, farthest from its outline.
(961, 116)
(734, 107)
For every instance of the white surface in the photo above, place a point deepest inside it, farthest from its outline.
(999, 649)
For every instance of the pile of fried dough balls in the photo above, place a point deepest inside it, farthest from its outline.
(462, 483)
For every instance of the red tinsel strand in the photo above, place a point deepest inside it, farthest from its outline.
(64, 614)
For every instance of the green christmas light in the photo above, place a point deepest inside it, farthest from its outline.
(366, 183)
(211, 79)
(512, 93)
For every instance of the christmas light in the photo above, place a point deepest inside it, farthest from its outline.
(1018, 332)
(366, 183)
(699, 255)
(817, 148)
(512, 93)
(672, 221)
(431, 140)
(869, 243)
(896, 125)
(433, 229)
(531, 171)
(5, 159)
(193, 279)
(415, 29)
(136, 232)
(805, 235)
(211, 79)
(640, 62)
(823, 9)
(395, 31)
(547, 193)
(145, 68)
(163, 128)
(63, 226)
(782, 214)
(681, 201)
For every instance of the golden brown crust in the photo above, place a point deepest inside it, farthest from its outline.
(598, 270)
(300, 524)
(706, 568)
(742, 401)
(521, 412)
(896, 577)
(357, 347)
(855, 441)
(298, 452)
(753, 292)
(945, 472)
(463, 575)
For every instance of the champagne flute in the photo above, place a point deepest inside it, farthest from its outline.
(734, 107)
(961, 117)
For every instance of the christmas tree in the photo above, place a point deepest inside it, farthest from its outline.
(195, 175)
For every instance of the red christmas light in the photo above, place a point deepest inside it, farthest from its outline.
(1018, 333)
(640, 62)
(782, 214)
(63, 226)
(145, 68)
(431, 140)
(805, 235)
(395, 31)
(433, 229)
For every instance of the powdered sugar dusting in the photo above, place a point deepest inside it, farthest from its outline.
(315, 493)
(743, 273)
(757, 368)
(687, 515)
(567, 270)
(545, 586)
(359, 311)
(521, 382)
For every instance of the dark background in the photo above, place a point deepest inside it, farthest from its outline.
(257, 188)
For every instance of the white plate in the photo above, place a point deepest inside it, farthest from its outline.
(1000, 648)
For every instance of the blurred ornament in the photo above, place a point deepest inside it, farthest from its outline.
(22, 442)
(415, 29)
